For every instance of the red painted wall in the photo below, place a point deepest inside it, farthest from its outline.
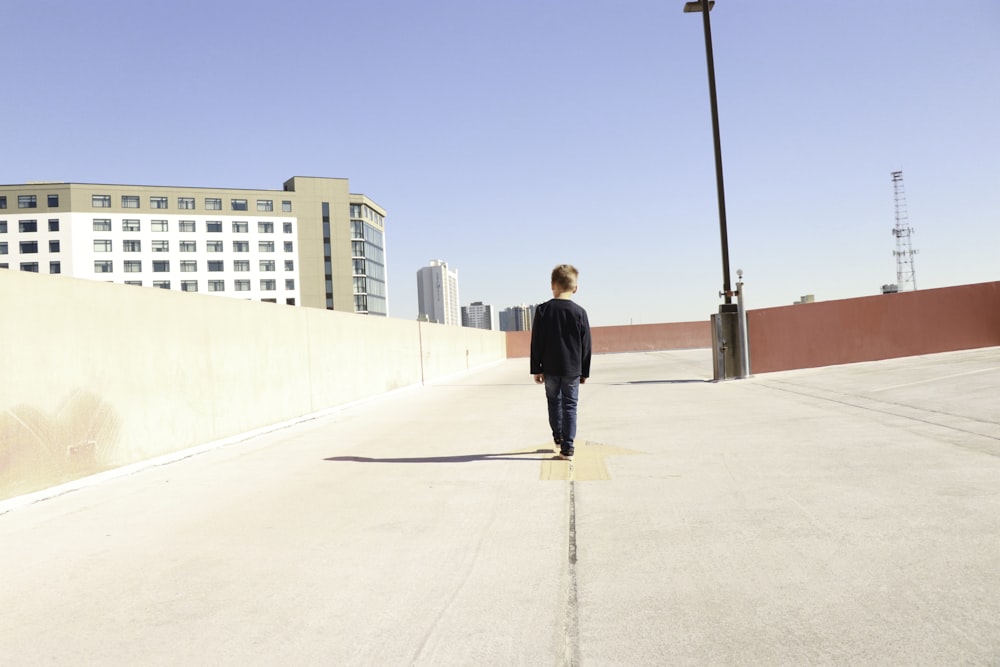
(630, 338)
(828, 332)
(876, 327)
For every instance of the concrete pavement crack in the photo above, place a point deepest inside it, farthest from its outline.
(572, 619)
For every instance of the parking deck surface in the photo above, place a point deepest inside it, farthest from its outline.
(841, 515)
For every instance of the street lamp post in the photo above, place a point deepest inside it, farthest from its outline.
(732, 357)
(699, 6)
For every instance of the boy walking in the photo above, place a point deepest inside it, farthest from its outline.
(560, 355)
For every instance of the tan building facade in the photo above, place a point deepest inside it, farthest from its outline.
(312, 243)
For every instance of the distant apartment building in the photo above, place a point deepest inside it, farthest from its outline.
(312, 243)
(437, 294)
(477, 315)
(517, 318)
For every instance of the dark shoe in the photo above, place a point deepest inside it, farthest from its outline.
(565, 456)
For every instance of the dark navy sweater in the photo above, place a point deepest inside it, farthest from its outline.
(560, 339)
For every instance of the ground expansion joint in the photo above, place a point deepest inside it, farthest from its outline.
(571, 621)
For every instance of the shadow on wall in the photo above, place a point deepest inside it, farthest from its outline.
(39, 450)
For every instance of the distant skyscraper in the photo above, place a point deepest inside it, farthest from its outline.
(437, 294)
(477, 315)
(517, 318)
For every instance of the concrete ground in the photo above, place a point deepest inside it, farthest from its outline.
(835, 516)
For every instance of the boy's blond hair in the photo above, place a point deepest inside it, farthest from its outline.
(564, 277)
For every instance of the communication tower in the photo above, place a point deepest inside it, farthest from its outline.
(906, 276)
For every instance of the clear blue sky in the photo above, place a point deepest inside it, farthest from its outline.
(505, 137)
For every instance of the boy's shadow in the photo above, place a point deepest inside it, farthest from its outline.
(461, 458)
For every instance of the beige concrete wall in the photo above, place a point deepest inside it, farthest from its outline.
(98, 375)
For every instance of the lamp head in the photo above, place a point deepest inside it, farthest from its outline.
(697, 6)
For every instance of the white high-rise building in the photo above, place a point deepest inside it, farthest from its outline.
(312, 243)
(478, 315)
(437, 294)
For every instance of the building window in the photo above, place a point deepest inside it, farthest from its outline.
(265, 246)
(100, 201)
(187, 225)
(160, 225)
(27, 201)
(286, 206)
(130, 201)
(55, 267)
(161, 246)
(3, 226)
(161, 266)
(213, 204)
(241, 246)
(265, 205)
(133, 266)
(216, 285)
(53, 246)
(265, 227)
(289, 284)
(189, 246)
(30, 267)
(267, 265)
(130, 225)
(239, 204)
(161, 284)
(189, 285)
(102, 224)
(240, 227)
(214, 225)
(216, 265)
(286, 227)
(189, 266)
(288, 246)
(3, 201)
(157, 202)
(29, 247)
(102, 266)
(185, 203)
(241, 265)
(137, 283)
(289, 265)
(54, 225)
(102, 245)
(27, 226)
(3, 247)
(130, 245)
(53, 201)
(213, 246)
(268, 285)
(241, 285)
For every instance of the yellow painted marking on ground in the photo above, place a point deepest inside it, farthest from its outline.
(587, 465)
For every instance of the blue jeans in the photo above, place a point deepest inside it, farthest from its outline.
(562, 394)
